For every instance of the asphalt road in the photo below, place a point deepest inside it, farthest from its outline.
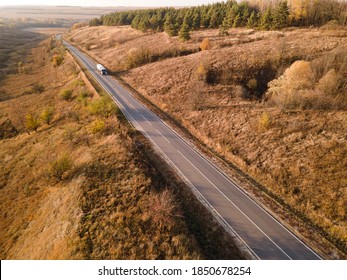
(262, 234)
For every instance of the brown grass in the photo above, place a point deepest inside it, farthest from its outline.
(74, 190)
(298, 156)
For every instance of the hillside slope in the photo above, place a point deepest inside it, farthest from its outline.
(299, 156)
(76, 182)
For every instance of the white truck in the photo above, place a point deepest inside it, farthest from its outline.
(102, 69)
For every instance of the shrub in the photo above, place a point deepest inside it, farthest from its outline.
(83, 97)
(205, 44)
(60, 167)
(137, 58)
(265, 121)
(162, 208)
(329, 83)
(103, 106)
(57, 60)
(32, 122)
(252, 84)
(47, 115)
(97, 126)
(288, 89)
(212, 76)
(66, 94)
(201, 71)
(38, 88)
(301, 87)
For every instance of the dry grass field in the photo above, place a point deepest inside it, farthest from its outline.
(295, 146)
(77, 182)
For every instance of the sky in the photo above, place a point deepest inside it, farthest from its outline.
(141, 3)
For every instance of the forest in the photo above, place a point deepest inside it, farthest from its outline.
(259, 14)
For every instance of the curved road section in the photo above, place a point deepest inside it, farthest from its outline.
(264, 236)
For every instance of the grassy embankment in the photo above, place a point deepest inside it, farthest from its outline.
(293, 143)
(78, 183)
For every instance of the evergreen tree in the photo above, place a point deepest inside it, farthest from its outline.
(184, 32)
(223, 29)
(280, 17)
(196, 20)
(232, 14)
(266, 20)
(144, 24)
(252, 20)
(170, 26)
(135, 22)
(237, 21)
(213, 20)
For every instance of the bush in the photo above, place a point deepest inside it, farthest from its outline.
(212, 76)
(201, 71)
(162, 208)
(60, 167)
(32, 122)
(66, 94)
(57, 60)
(205, 44)
(287, 91)
(302, 88)
(137, 58)
(83, 97)
(329, 83)
(38, 88)
(265, 121)
(103, 106)
(47, 115)
(97, 126)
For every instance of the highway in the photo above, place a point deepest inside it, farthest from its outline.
(264, 236)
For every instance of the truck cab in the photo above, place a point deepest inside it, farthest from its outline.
(102, 69)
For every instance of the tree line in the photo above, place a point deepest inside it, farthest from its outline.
(260, 14)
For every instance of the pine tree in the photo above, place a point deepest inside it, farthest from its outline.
(170, 26)
(280, 17)
(252, 20)
(231, 15)
(196, 21)
(184, 32)
(213, 20)
(237, 21)
(223, 29)
(266, 20)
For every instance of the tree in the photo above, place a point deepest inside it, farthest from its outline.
(184, 32)
(170, 26)
(231, 15)
(213, 20)
(252, 20)
(266, 20)
(196, 20)
(223, 29)
(237, 21)
(280, 17)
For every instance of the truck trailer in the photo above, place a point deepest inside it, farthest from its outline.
(102, 69)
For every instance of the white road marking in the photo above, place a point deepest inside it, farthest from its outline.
(117, 101)
(235, 205)
(163, 136)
